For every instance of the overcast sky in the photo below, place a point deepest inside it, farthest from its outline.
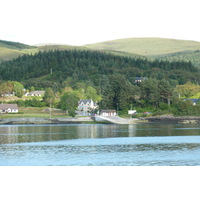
(78, 22)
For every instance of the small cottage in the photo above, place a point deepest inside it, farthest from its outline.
(108, 113)
(8, 94)
(35, 94)
(9, 108)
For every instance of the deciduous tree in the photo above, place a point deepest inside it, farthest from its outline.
(69, 103)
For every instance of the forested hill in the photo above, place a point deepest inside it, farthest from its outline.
(44, 68)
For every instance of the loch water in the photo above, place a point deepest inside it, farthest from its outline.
(145, 144)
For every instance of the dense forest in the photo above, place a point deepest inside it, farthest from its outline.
(111, 77)
(91, 66)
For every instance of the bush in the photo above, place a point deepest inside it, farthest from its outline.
(160, 112)
(186, 108)
(164, 106)
(29, 103)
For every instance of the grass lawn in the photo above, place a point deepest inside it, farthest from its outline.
(33, 112)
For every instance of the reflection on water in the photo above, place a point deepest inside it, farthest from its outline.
(106, 144)
(37, 133)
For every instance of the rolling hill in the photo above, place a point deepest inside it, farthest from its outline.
(7, 53)
(147, 46)
(14, 45)
(152, 48)
(10, 50)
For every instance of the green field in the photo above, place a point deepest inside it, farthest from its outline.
(34, 112)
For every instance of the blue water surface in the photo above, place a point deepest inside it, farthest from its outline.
(100, 145)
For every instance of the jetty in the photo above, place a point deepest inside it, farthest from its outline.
(114, 119)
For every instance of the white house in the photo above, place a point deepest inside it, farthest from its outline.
(108, 113)
(87, 105)
(9, 108)
(8, 94)
(35, 93)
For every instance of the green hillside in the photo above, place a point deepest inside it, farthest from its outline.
(147, 46)
(51, 47)
(192, 56)
(6, 53)
(158, 48)
(10, 50)
(14, 45)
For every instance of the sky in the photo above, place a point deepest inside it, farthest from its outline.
(79, 22)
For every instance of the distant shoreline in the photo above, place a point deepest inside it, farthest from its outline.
(87, 120)
(34, 120)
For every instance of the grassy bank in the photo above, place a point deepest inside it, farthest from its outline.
(33, 112)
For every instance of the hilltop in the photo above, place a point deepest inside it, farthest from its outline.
(10, 50)
(147, 46)
(154, 48)
(14, 45)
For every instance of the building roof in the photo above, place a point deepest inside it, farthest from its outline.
(37, 92)
(6, 106)
(137, 78)
(85, 101)
(108, 110)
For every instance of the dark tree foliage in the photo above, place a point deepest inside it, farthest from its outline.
(69, 103)
(57, 66)
(186, 108)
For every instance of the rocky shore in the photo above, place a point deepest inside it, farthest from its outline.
(81, 120)
(67, 120)
(172, 119)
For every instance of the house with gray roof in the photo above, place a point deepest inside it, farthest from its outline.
(9, 108)
(87, 105)
(35, 94)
